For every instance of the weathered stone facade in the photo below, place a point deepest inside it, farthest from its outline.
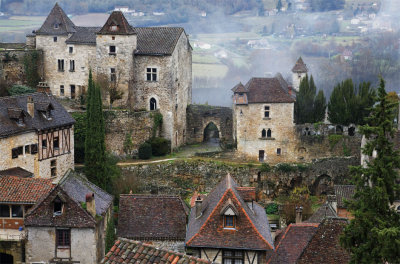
(199, 116)
(14, 249)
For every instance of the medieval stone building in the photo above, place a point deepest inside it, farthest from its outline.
(299, 71)
(151, 66)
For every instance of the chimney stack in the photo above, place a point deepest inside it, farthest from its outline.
(198, 205)
(299, 214)
(90, 204)
(290, 88)
(30, 106)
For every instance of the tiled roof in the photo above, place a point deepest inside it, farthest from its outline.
(247, 193)
(239, 88)
(14, 189)
(325, 211)
(291, 243)
(118, 20)
(267, 90)
(73, 215)
(129, 251)
(77, 186)
(84, 35)
(17, 171)
(152, 217)
(325, 247)
(157, 40)
(300, 66)
(57, 17)
(253, 231)
(60, 117)
(344, 192)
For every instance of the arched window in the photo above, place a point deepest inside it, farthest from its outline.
(263, 133)
(153, 104)
(269, 133)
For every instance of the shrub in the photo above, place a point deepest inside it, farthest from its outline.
(285, 167)
(160, 146)
(271, 208)
(145, 151)
(20, 89)
(265, 167)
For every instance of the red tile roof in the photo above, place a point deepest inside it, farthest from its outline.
(117, 19)
(129, 251)
(14, 189)
(16, 171)
(267, 90)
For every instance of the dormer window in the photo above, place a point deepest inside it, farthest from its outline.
(113, 28)
(229, 213)
(58, 206)
(56, 25)
(229, 221)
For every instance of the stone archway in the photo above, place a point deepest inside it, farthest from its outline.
(323, 185)
(211, 133)
(6, 258)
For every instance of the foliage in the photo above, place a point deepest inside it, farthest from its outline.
(349, 105)
(84, 205)
(20, 89)
(302, 167)
(271, 208)
(31, 65)
(160, 146)
(300, 196)
(110, 234)
(309, 106)
(333, 140)
(110, 88)
(346, 150)
(373, 235)
(157, 122)
(79, 136)
(394, 99)
(265, 167)
(128, 144)
(285, 167)
(326, 5)
(145, 151)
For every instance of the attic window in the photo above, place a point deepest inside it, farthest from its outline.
(58, 206)
(56, 25)
(113, 28)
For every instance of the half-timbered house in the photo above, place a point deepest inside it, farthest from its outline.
(36, 134)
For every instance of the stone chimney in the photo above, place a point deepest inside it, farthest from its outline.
(30, 106)
(198, 205)
(290, 90)
(299, 214)
(90, 204)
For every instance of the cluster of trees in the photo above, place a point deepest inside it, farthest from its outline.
(326, 5)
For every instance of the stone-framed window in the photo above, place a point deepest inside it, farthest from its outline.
(60, 65)
(153, 104)
(53, 167)
(71, 49)
(54, 39)
(151, 74)
(72, 87)
(112, 50)
(261, 155)
(278, 151)
(113, 75)
(269, 133)
(72, 65)
(63, 238)
(266, 111)
(264, 133)
(232, 257)
(62, 91)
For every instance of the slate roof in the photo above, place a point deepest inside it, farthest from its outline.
(129, 251)
(300, 66)
(56, 16)
(239, 88)
(14, 189)
(325, 211)
(325, 247)
(77, 186)
(17, 171)
(83, 35)
(157, 40)
(267, 90)
(344, 192)
(253, 231)
(152, 217)
(291, 243)
(117, 19)
(8, 127)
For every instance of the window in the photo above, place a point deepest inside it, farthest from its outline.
(27, 149)
(261, 155)
(278, 151)
(53, 168)
(72, 87)
(62, 92)
(72, 65)
(17, 211)
(113, 75)
(266, 111)
(112, 50)
(60, 65)
(63, 237)
(44, 143)
(56, 25)
(269, 133)
(263, 133)
(14, 153)
(113, 37)
(151, 74)
(58, 206)
(55, 39)
(114, 28)
(71, 49)
(232, 257)
(4, 210)
(153, 104)
(229, 221)
(56, 142)
(34, 148)
(20, 150)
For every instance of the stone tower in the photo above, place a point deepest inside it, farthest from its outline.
(299, 71)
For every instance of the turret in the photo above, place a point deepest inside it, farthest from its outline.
(299, 71)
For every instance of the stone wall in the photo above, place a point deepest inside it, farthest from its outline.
(199, 116)
(15, 249)
(120, 124)
(183, 177)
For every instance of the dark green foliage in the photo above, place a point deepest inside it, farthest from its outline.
(333, 140)
(349, 105)
(110, 234)
(20, 89)
(145, 151)
(271, 208)
(285, 167)
(265, 167)
(309, 106)
(79, 136)
(160, 146)
(31, 65)
(326, 5)
(157, 122)
(373, 235)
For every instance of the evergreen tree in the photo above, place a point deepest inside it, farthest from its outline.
(373, 235)
(279, 5)
(319, 107)
(95, 156)
(110, 234)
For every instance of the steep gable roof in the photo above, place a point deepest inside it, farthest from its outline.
(325, 211)
(14, 189)
(300, 66)
(60, 117)
(129, 251)
(291, 243)
(157, 40)
(146, 217)
(239, 88)
(83, 35)
(73, 215)
(116, 24)
(344, 192)
(252, 228)
(267, 90)
(56, 23)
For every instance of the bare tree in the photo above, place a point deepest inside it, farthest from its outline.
(109, 85)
